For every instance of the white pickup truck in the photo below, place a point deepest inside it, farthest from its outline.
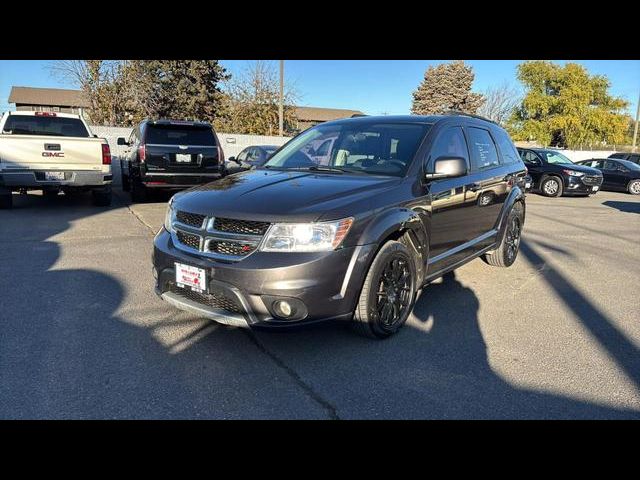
(52, 152)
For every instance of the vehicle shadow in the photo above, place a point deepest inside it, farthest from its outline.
(435, 368)
(628, 207)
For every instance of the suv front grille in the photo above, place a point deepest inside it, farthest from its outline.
(188, 239)
(221, 238)
(191, 219)
(245, 227)
(216, 298)
(592, 180)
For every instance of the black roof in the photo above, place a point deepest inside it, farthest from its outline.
(421, 119)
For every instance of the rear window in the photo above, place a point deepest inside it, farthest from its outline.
(179, 135)
(36, 125)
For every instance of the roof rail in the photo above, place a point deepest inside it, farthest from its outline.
(479, 117)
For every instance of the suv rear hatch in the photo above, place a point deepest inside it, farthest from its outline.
(177, 147)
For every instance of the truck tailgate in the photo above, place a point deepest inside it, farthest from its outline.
(43, 152)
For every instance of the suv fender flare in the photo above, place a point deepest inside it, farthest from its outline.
(400, 221)
(516, 195)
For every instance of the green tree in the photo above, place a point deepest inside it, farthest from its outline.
(565, 106)
(446, 87)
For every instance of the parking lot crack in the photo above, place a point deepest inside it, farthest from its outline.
(315, 396)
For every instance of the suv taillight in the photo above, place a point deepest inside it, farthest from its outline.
(106, 154)
(142, 152)
(220, 155)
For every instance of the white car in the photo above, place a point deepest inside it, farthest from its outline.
(51, 152)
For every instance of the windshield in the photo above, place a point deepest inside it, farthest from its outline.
(374, 148)
(554, 157)
(44, 125)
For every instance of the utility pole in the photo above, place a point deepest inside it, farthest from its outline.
(281, 107)
(635, 129)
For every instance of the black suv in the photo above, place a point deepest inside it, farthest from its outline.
(396, 202)
(554, 175)
(170, 155)
(632, 157)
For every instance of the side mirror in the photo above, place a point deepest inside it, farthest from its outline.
(234, 159)
(447, 167)
(122, 141)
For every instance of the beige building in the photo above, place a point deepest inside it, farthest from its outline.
(48, 100)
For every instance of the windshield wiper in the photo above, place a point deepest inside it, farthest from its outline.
(325, 168)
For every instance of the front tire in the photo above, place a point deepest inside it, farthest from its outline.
(388, 293)
(507, 251)
(551, 187)
(634, 187)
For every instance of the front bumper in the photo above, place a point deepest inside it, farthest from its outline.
(72, 178)
(242, 293)
(582, 185)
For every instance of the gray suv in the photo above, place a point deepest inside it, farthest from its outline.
(353, 234)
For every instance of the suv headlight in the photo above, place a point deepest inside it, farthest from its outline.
(169, 217)
(306, 237)
(573, 173)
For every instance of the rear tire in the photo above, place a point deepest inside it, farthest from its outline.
(507, 251)
(102, 198)
(551, 187)
(388, 293)
(634, 187)
(6, 201)
(138, 191)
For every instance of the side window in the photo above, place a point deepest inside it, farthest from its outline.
(242, 156)
(634, 158)
(450, 143)
(610, 165)
(483, 151)
(529, 157)
(507, 149)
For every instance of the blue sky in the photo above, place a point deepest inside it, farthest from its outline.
(372, 86)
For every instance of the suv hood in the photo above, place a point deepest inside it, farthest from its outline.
(582, 168)
(273, 196)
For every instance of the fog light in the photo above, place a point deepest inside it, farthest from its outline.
(282, 308)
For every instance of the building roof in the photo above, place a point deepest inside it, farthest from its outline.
(47, 97)
(323, 114)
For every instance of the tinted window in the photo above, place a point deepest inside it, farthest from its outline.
(617, 155)
(593, 163)
(367, 147)
(179, 135)
(483, 151)
(507, 148)
(36, 125)
(450, 143)
(630, 165)
(634, 158)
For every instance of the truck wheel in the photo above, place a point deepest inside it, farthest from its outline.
(551, 187)
(102, 198)
(138, 191)
(126, 186)
(388, 293)
(507, 251)
(6, 201)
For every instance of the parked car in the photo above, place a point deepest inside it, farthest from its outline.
(52, 152)
(554, 174)
(251, 157)
(404, 200)
(170, 155)
(620, 175)
(632, 157)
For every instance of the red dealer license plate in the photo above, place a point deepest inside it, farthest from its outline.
(193, 278)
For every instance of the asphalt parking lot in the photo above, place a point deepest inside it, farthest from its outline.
(84, 336)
